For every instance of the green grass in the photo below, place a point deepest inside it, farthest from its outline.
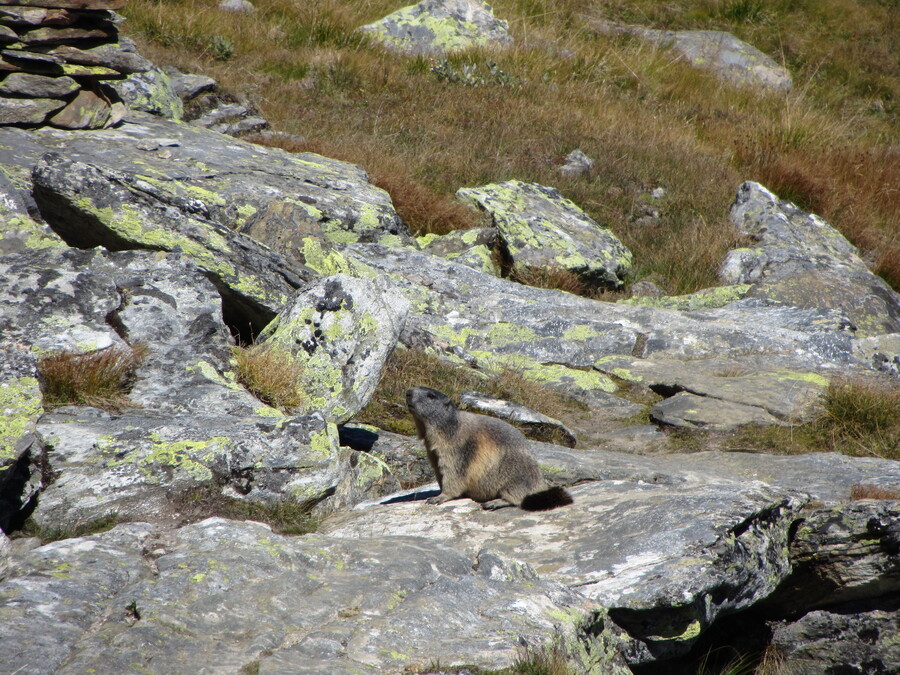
(422, 129)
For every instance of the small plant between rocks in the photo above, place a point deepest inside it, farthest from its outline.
(100, 378)
(270, 373)
(82, 529)
(286, 517)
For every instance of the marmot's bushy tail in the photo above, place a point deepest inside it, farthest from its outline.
(546, 499)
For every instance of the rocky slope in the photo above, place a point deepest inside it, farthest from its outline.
(179, 238)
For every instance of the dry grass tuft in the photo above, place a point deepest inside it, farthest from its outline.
(100, 378)
(861, 491)
(861, 417)
(271, 374)
(551, 277)
(424, 210)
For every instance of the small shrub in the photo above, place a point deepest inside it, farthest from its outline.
(221, 48)
(100, 378)
(474, 74)
(861, 491)
(270, 373)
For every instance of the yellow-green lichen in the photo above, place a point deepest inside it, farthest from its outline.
(503, 333)
(325, 442)
(127, 223)
(20, 408)
(207, 370)
(809, 378)
(182, 456)
(34, 235)
(692, 631)
(370, 469)
(581, 332)
(708, 298)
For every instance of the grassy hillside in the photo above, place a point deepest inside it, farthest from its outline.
(424, 128)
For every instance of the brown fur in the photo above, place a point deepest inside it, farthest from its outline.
(479, 457)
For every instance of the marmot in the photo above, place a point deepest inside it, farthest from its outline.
(479, 457)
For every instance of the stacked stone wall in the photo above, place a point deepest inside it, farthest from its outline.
(56, 60)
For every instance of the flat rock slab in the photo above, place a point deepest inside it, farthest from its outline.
(631, 547)
(438, 27)
(239, 596)
(644, 532)
(691, 411)
(754, 388)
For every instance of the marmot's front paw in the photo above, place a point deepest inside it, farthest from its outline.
(435, 500)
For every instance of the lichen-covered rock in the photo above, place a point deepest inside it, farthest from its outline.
(539, 229)
(37, 86)
(577, 164)
(278, 198)
(138, 464)
(18, 230)
(150, 91)
(341, 330)
(238, 595)
(881, 352)
(20, 409)
(475, 248)
(562, 338)
(721, 53)
(840, 641)
(440, 27)
(686, 548)
(801, 261)
(668, 543)
(843, 554)
(91, 204)
(28, 110)
(196, 426)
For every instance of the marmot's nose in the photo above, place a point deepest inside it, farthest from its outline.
(409, 395)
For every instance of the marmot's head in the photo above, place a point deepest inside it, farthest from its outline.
(431, 410)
